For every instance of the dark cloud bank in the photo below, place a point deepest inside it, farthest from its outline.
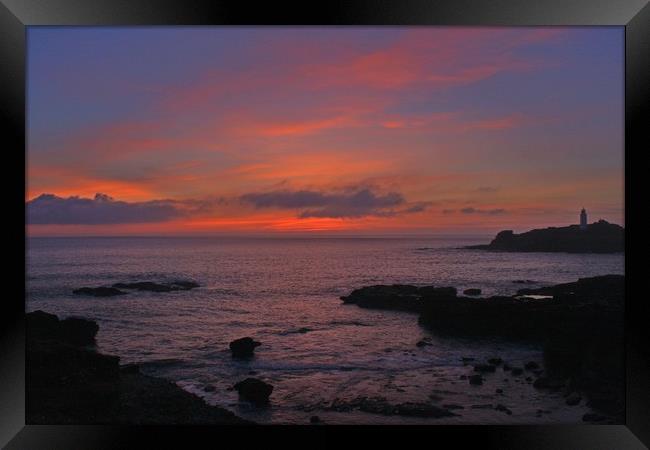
(50, 209)
(471, 210)
(346, 204)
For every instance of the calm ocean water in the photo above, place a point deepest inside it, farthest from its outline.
(285, 293)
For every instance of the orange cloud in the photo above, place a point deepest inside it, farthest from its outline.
(316, 167)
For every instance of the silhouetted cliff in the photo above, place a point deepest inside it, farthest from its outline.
(598, 237)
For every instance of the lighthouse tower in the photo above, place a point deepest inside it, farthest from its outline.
(583, 219)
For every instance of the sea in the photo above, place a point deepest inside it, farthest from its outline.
(285, 293)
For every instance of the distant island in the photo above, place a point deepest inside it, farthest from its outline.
(598, 237)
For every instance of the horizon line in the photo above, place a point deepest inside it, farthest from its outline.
(270, 235)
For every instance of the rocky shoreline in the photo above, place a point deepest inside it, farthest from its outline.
(579, 324)
(69, 382)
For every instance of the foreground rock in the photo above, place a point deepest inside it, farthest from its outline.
(75, 331)
(573, 399)
(598, 237)
(254, 390)
(606, 290)
(243, 347)
(580, 327)
(398, 296)
(485, 368)
(69, 383)
(116, 289)
(158, 287)
(472, 291)
(98, 291)
(553, 383)
(475, 379)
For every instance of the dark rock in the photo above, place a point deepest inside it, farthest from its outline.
(243, 347)
(464, 359)
(580, 327)
(529, 379)
(476, 379)
(472, 291)
(128, 369)
(499, 391)
(548, 383)
(486, 406)
(75, 331)
(506, 367)
(483, 368)
(573, 399)
(314, 419)
(463, 377)
(209, 388)
(437, 293)
(398, 296)
(421, 410)
(441, 310)
(41, 325)
(423, 343)
(40, 321)
(57, 363)
(531, 365)
(185, 284)
(145, 286)
(98, 291)
(401, 297)
(67, 383)
(605, 289)
(158, 287)
(495, 361)
(254, 390)
(598, 237)
(452, 406)
(497, 316)
(78, 331)
(503, 408)
(591, 358)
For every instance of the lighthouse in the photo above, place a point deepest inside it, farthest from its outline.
(583, 219)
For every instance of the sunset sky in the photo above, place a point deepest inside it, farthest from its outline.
(330, 130)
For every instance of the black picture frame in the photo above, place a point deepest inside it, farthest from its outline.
(16, 15)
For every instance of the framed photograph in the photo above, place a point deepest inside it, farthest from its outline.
(377, 217)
